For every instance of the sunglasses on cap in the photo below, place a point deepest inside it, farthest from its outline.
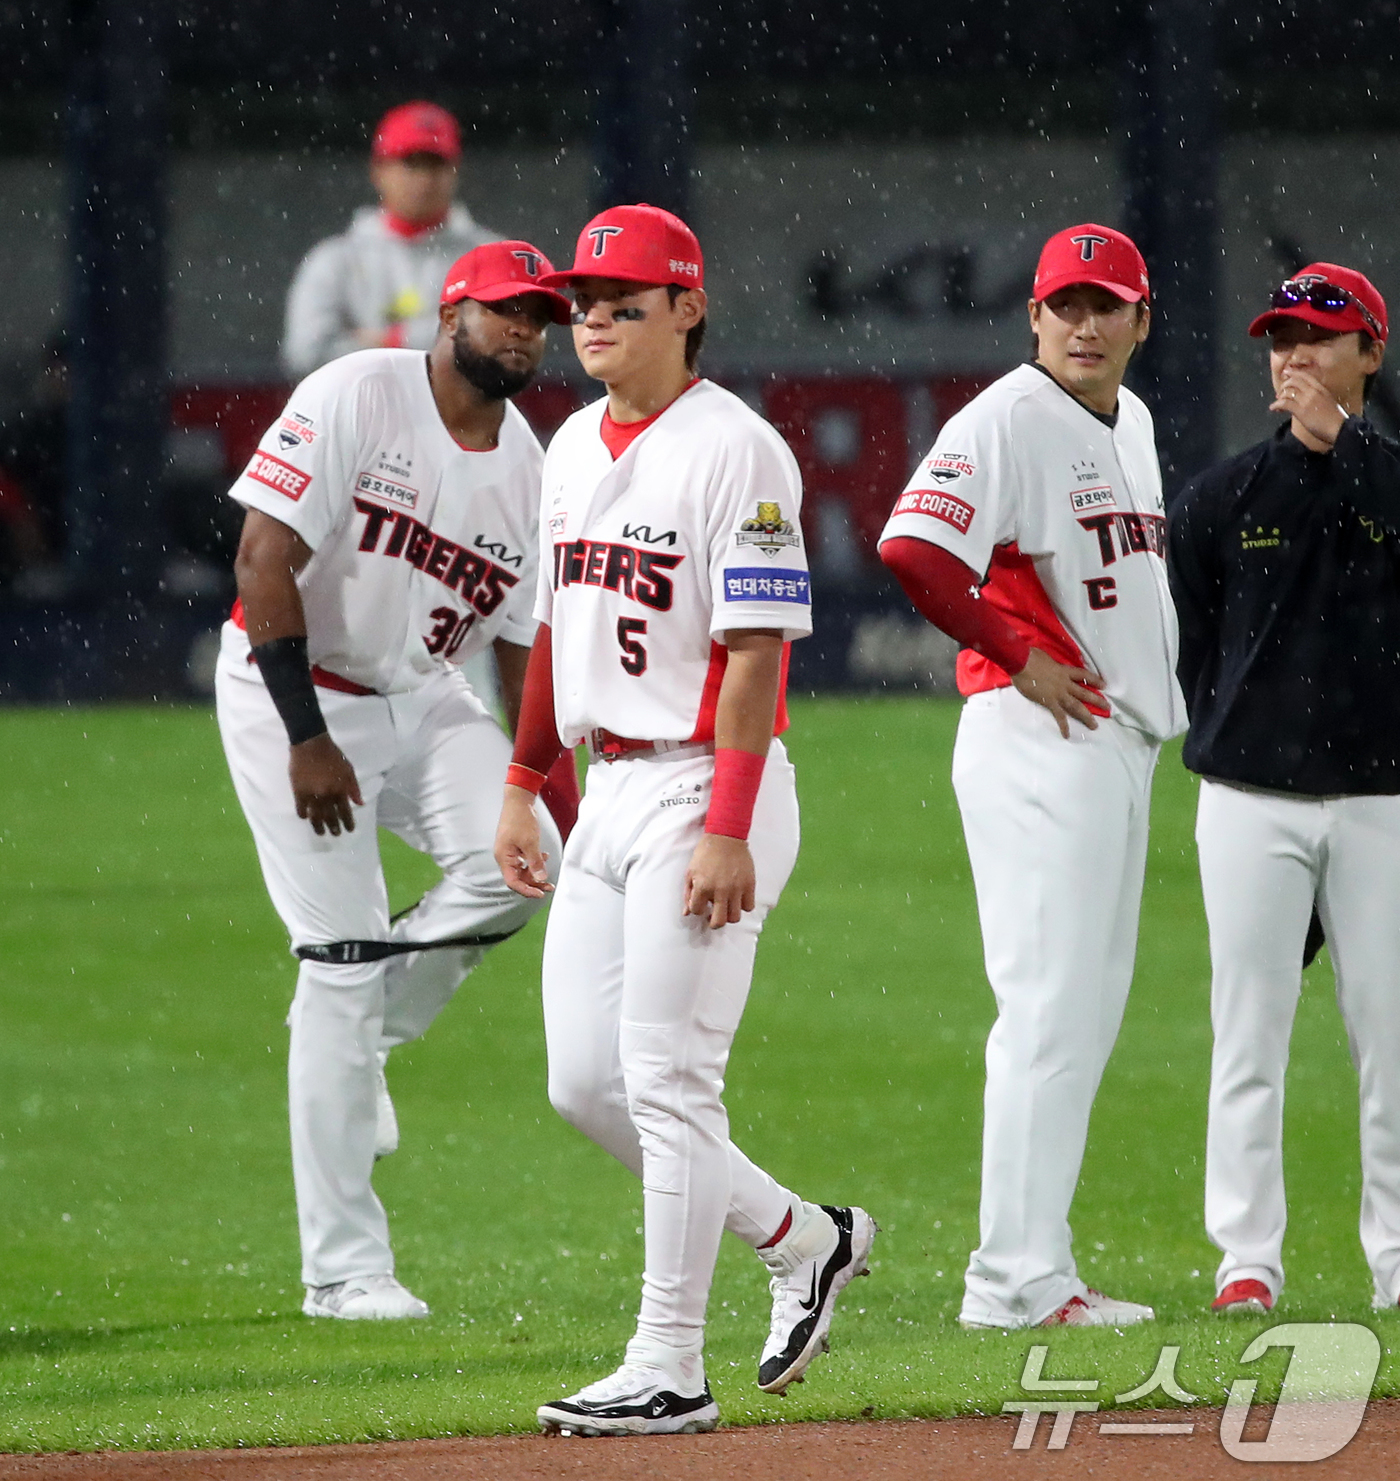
(1319, 294)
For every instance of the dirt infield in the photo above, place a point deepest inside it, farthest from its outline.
(915, 1450)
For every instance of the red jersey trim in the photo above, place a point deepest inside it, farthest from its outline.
(709, 697)
(619, 436)
(1015, 590)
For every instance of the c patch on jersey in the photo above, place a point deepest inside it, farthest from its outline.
(386, 488)
(276, 474)
(945, 467)
(1095, 498)
(951, 511)
(767, 529)
(754, 584)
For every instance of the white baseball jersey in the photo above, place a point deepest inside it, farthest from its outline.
(370, 277)
(1063, 513)
(423, 551)
(647, 561)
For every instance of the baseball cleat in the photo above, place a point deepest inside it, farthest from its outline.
(365, 1298)
(636, 1400)
(1094, 1309)
(1244, 1298)
(817, 1260)
(386, 1125)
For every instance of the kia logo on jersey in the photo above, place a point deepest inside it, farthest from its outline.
(498, 549)
(600, 235)
(644, 534)
(1087, 244)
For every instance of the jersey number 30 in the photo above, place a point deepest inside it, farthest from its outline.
(449, 630)
(633, 657)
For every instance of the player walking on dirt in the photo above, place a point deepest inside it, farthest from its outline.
(1033, 533)
(672, 577)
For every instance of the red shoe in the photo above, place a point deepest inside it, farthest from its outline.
(1243, 1298)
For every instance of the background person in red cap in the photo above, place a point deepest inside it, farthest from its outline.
(390, 536)
(1285, 565)
(672, 577)
(1033, 533)
(377, 283)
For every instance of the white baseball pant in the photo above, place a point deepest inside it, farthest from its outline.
(1265, 857)
(641, 1005)
(1057, 837)
(431, 765)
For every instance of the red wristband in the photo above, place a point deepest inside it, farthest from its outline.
(737, 775)
(525, 777)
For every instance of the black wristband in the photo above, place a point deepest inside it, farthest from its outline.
(286, 671)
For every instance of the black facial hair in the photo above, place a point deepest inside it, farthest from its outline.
(484, 372)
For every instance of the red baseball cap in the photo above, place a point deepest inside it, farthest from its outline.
(1291, 301)
(637, 244)
(417, 128)
(501, 270)
(1091, 254)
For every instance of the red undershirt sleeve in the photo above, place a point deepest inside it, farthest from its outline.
(947, 592)
(537, 743)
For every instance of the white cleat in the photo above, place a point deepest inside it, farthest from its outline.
(1094, 1309)
(636, 1400)
(386, 1126)
(817, 1260)
(364, 1298)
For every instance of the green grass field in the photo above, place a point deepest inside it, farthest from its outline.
(147, 1237)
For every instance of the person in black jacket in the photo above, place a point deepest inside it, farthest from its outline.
(1285, 567)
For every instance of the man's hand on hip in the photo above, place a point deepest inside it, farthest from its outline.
(1064, 690)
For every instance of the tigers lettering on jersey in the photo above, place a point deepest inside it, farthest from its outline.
(638, 574)
(1137, 534)
(479, 580)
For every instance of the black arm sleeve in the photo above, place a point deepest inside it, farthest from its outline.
(286, 671)
(1194, 572)
(1366, 471)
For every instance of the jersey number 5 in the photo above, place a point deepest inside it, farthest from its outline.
(634, 656)
(449, 631)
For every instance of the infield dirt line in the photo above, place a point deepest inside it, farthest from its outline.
(900, 1450)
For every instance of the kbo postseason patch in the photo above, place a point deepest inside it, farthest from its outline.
(768, 530)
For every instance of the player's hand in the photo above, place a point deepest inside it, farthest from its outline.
(518, 846)
(324, 785)
(1064, 690)
(1311, 404)
(720, 880)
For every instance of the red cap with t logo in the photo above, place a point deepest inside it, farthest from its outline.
(1091, 254)
(417, 128)
(1332, 297)
(501, 270)
(636, 244)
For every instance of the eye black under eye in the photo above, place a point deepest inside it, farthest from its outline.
(577, 317)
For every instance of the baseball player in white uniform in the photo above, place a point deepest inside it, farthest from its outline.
(377, 283)
(672, 577)
(391, 532)
(1034, 534)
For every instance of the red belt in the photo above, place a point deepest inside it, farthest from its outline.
(328, 680)
(609, 746)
